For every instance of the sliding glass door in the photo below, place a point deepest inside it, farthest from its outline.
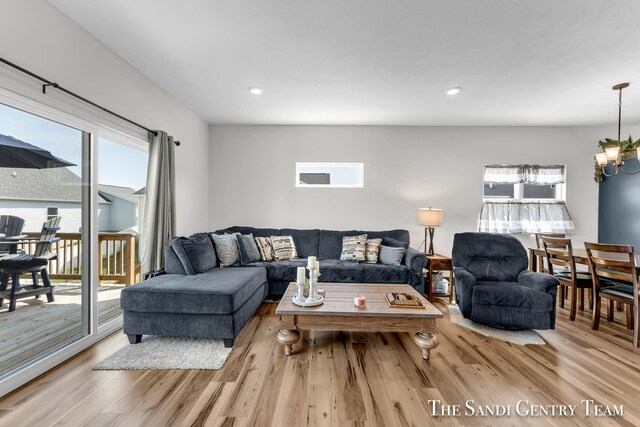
(41, 198)
(122, 175)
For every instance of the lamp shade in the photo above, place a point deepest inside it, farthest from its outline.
(601, 158)
(430, 217)
(612, 153)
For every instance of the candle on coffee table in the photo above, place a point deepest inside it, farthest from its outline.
(311, 262)
(300, 278)
(360, 301)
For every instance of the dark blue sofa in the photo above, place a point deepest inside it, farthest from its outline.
(494, 287)
(218, 302)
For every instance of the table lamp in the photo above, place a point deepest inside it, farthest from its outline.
(430, 218)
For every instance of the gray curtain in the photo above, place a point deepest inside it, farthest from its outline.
(159, 204)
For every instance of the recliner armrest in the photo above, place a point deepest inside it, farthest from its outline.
(465, 281)
(540, 281)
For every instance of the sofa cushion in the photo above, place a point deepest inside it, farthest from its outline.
(307, 241)
(172, 264)
(353, 248)
(337, 271)
(401, 235)
(510, 294)
(227, 249)
(257, 232)
(217, 291)
(395, 243)
(196, 253)
(265, 248)
(330, 246)
(391, 255)
(284, 248)
(284, 270)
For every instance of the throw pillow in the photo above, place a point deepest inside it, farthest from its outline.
(390, 255)
(265, 248)
(195, 253)
(372, 250)
(353, 248)
(247, 249)
(283, 248)
(226, 248)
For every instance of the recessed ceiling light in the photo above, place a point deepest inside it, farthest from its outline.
(255, 90)
(454, 91)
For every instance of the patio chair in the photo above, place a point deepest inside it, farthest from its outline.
(10, 226)
(12, 266)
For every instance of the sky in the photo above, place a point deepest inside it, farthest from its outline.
(117, 164)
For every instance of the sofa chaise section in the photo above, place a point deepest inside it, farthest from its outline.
(213, 304)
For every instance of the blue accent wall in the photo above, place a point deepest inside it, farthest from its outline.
(619, 210)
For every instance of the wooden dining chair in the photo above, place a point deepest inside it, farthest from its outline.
(540, 261)
(615, 264)
(559, 254)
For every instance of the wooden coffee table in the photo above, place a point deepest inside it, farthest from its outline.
(339, 314)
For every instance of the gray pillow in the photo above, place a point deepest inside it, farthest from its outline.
(195, 253)
(226, 248)
(390, 256)
(248, 249)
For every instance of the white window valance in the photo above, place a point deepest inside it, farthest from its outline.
(514, 217)
(528, 174)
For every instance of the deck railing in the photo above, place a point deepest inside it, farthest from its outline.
(117, 255)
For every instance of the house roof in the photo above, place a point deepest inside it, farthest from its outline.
(58, 184)
(141, 192)
(110, 191)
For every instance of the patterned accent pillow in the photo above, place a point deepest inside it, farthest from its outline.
(247, 249)
(265, 248)
(372, 249)
(353, 248)
(283, 248)
(226, 248)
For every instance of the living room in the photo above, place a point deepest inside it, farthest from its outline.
(425, 101)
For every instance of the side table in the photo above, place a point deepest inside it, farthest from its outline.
(438, 262)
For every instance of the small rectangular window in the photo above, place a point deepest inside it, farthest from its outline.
(52, 213)
(330, 175)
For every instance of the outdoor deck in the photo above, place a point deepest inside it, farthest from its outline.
(37, 327)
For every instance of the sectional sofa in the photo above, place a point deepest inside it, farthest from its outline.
(217, 303)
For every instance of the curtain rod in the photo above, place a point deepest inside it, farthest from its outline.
(48, 83)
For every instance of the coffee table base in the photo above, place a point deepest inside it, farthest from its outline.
(425, 329)
(288, 338)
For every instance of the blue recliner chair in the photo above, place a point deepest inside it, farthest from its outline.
(494, 286)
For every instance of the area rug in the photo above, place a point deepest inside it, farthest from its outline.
(515, 337)
(168, 353)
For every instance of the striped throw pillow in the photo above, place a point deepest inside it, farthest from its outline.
(372, 250)
(353, 248)
(265, 248)
(283, 248)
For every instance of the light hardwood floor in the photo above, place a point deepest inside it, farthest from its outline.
(345, 379)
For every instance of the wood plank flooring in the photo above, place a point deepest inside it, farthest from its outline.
(346, 379)
(37, 327)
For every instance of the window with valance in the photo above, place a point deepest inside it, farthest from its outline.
(525, 199)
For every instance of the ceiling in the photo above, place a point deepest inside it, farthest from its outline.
(536, 62)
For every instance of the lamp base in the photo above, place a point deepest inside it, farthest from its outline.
(428, 237)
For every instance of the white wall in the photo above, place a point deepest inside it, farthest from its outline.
(38, 37)
(253, 168)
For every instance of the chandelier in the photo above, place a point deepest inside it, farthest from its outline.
(615, 153)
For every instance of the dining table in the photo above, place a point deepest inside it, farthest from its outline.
(580, 256)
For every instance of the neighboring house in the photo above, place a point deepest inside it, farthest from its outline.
(38, 194)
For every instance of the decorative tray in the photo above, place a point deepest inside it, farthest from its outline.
(401, 300)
